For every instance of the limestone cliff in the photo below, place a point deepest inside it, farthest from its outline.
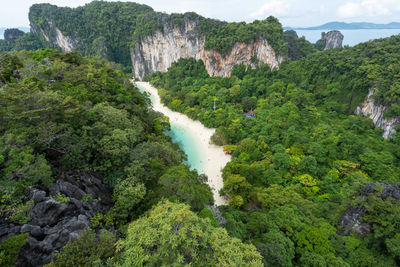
(329, 40)
(376, 111)
(158, 51)
(54, 36)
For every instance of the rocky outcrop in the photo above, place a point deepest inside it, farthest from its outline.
(352, 218)
(158, 51)
(221, 220)
(376, 111)
(351, 221)
(332, 39)
(56, 37)
(52, 223)
(11, 35)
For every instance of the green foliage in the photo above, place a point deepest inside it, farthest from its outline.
(222, 36)
(61, 199)
(11, 35)
(180, 184)
(276, 249)
(109, 30)
(303, 160)
(9, 249)
(170, 234)
(127, 194)
(63, 112)
(392, 111)
(87, 197)
(297, 47)
(9, 64)
(207, 213)
(21, 213)
(87, 250)
(103, 28)
(18, 40)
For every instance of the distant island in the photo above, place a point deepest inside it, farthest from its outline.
(336, 25)
(24, 29)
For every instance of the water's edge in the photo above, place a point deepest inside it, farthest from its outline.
(194, 139)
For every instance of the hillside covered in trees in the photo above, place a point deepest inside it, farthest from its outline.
(66, 116)
(310, 184)
(88, 178)
(110, 30)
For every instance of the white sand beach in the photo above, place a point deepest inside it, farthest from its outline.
(215, 159)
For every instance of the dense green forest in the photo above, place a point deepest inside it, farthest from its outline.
(304, 160)
(62, 112)
(309, 184)
(15, 39)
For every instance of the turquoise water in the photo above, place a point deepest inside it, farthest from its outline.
(351, 37)
(188, 143)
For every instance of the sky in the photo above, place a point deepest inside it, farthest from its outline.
(294, 13)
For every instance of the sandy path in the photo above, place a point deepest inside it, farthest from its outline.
(215, 158)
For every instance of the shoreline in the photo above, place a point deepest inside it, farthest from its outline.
(214, 159)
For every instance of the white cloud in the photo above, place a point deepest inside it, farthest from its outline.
(368, 8)
(277, 8)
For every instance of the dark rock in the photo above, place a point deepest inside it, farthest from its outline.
(52, 223)
(33, 230)
(11, 35)
(47, 212)
(352, 218)
(351, 222)
(391, 190)
(66, 188)
(217, 215)
(4, 230)
(36, 195)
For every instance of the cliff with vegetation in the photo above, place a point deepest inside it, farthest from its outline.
(330, 40)
(136, 36)
(158, 51)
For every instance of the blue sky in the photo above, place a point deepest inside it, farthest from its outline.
(295, 13)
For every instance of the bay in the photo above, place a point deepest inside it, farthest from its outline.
(195, 140)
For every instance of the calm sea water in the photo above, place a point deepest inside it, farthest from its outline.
(186, 141)
(351, 37)
(179, 134)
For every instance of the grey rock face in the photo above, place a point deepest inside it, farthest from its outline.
(53, 224)
(375, 112)
(159, 51)
(352, 218)
(217, 215)
(56, 37)
(11, 35)
(332, 39)
(351, 222)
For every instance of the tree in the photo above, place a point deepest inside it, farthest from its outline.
(181, 184)
(127, 195)
(315, 239)
(170, 234)
(87, 250)
(276, 249)
(9, 249)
